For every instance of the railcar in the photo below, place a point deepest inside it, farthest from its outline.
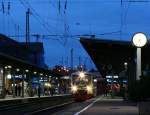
(82, 86)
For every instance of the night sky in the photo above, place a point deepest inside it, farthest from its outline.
(60, 23)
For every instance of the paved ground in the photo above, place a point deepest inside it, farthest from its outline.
(99, 106)
(111, 107)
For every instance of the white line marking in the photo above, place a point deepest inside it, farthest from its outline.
(87, 106)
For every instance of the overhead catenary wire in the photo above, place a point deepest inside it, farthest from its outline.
(3, 7)
(46, 24)
(3, 16)
(19, 28)
(121, 18)
(37, 17)
(67, 28)
(126, 13)
(8, 17)
(71, 36)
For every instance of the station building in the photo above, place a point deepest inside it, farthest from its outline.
(22, 69)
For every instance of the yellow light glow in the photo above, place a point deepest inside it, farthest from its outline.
(74, 88)
(89, 89)
(47, 84)
(81, 75)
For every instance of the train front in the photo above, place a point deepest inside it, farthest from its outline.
(82, 86)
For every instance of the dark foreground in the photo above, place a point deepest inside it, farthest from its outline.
(98, 106)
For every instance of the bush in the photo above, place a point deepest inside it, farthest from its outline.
(140, 89)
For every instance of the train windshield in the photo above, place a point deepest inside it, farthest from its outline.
(81, 82)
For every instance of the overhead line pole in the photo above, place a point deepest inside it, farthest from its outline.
(28, 26)
(71, 58)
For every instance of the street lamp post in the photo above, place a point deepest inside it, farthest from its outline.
(139, 40)
(138, 65)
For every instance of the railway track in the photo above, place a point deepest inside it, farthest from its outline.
(50, 109)
(32, 107)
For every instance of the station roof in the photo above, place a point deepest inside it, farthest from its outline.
(22, 65)
(34, 46)
(112, 54)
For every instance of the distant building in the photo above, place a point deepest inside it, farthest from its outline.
(31, 52)
(22, 65)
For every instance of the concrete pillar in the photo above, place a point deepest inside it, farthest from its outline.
(39, 87)
(14, 95)
(23, 74)
(30, 84)
(3, 83)
(43, 86)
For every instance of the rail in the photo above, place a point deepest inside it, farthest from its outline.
(27, 106)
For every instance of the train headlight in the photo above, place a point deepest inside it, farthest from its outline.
(74, 88)
(89, 89)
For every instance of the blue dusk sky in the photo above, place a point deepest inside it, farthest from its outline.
(60, 23)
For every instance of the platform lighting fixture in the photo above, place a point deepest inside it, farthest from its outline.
(41, 74)
(9, 66)
(115, 76)
(50, 76)
(125, 63)
(13, 84)
(35, 72)
(1, 71)
(17, 69)
(8, 76)
(26, 70)
(5, 67)
(48, 84)
(95, 80)
(108, 76)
